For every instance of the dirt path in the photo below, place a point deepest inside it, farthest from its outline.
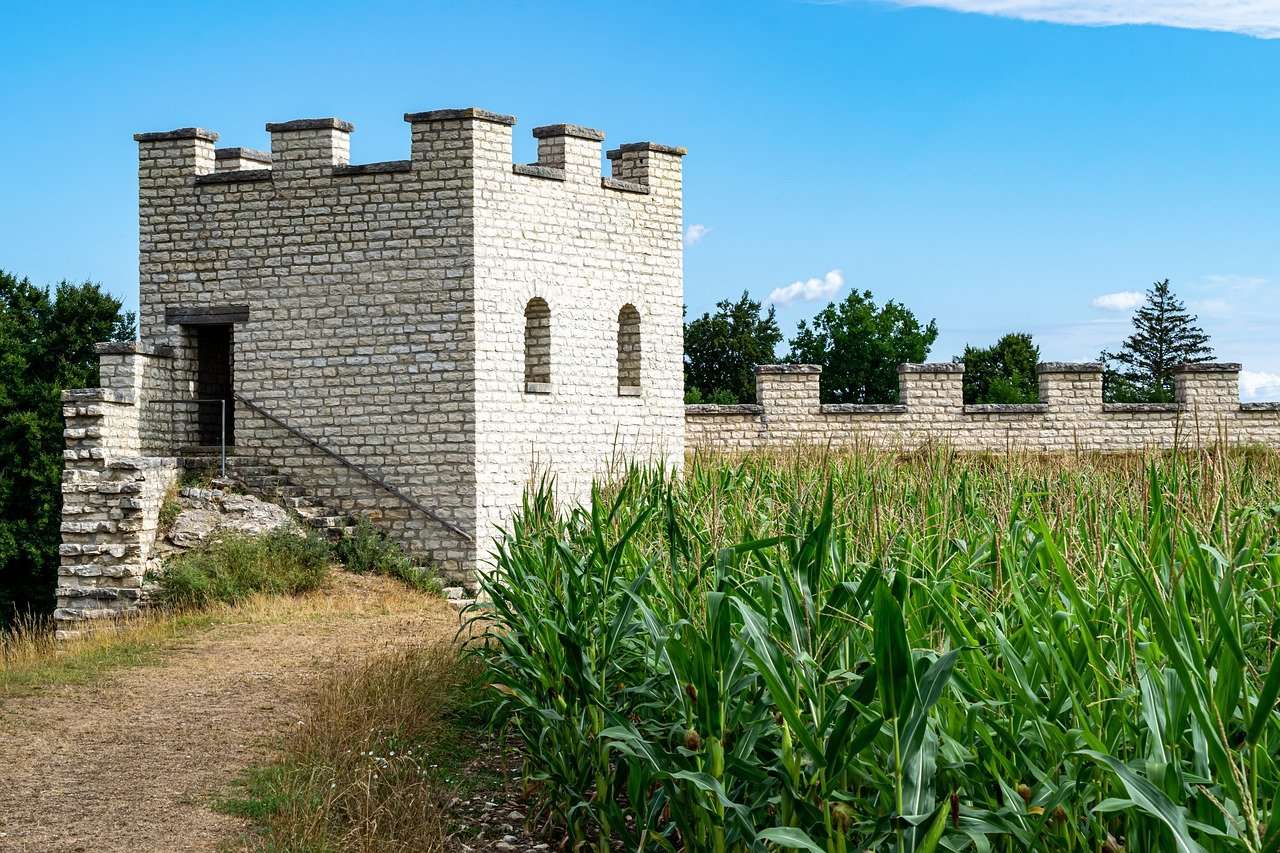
(132, 764)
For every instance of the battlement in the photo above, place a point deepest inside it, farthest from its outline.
(1070, 413)
(448, 144)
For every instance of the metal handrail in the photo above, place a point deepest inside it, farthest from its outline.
(222, 425)
(347, 463)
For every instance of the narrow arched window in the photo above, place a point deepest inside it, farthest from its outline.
(537, 347)
(628, 351)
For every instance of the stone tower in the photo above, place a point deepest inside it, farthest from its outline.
(414, 339)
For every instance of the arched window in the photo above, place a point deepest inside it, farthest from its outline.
(537, 347)
(628, 351)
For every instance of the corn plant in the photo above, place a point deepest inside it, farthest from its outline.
(866, 651)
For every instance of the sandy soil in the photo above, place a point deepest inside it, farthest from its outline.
(133, 763)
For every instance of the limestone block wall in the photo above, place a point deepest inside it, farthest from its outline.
(599, 251)
(350, 292)
(1070, 416)
(378, 309)
(111, 500)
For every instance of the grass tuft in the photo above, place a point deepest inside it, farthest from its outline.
(366, 769)
(232, 568)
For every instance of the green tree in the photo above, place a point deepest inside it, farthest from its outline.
(46, 345)
(1004, 372)
(721, 351)
(860, 346)
(1165, 335)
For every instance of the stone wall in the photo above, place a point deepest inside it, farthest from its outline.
(590, 247)
(379, 310)
(111, 497)
(1070, 415)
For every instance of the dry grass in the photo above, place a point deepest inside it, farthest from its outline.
(365, 770)
(30, 657)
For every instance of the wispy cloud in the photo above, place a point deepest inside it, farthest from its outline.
(694, 233)
(1236, 283)
(1121, 300)
(807, 290)
(1259, 383)
(1259, 18)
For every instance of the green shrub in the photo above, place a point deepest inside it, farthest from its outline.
(369, 551)
(233, 567)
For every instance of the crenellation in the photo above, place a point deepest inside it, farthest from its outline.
(1071, 415)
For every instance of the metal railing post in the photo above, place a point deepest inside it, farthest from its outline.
(222, 439)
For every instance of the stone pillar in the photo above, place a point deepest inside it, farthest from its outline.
(571, 148)
(788, 391)
(933, 387)
(309, 147)
(648, 164)
(1070, 388)
(240, 159)
(1208, 389)
(458, 143)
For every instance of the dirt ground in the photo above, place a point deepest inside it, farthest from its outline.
(133, 763)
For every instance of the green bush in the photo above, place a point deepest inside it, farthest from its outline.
(234, 567)
(369, 551)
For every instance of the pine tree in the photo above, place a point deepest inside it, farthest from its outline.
(1165, 336)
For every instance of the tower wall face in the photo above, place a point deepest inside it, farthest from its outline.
(359, 333)
(588, 246)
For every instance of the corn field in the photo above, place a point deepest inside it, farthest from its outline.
(867, 651)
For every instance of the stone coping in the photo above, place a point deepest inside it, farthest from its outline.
(1006, 408)
(537, 387)
(133, 348)
(628, 390)
(1209, 367)
(932, 367)
(615, 153)
(577, 131)
(1261, 406)
(1069, 367)
(243, 154)
(180, 133)
(234, 176)
(1147, 408)
(769, 369)
(533, 170)
(729, 409)
(623, 186)
(97, 395)
(465, 113)
(386, 167)
(329, 123)
(863, 409)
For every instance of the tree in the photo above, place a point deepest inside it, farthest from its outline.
(721, 351)
(1002, 373)
(46, 345)
(860, 346)
(1165, 336)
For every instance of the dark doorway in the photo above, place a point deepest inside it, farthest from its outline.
(214, 371)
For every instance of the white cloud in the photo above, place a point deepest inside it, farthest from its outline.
(808, 290)
(1122, 300)
(1258, 383)
(694, 233)
(1238, 283)
(1219, 308)
(1259, 18)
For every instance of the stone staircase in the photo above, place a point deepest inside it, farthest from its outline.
(267, 482)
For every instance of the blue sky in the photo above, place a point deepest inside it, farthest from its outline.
(985, 166)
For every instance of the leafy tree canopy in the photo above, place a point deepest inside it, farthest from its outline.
(1165, 335)
(860, 346)
(46, 345)
(1004, 372)
(721, 351)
